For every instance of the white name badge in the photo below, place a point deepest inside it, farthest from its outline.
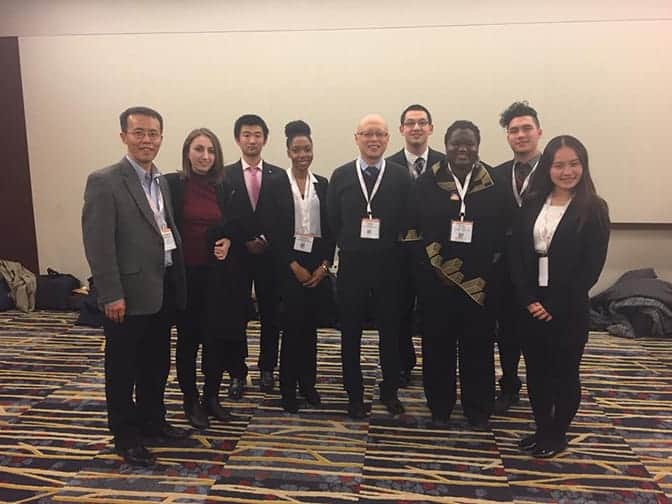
(168, 240)
(543, 271)
(370, 229)
(303, 243)
(461, 231)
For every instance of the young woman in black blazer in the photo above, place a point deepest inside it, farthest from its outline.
(216, 287)
(558, 250)
(304, 249)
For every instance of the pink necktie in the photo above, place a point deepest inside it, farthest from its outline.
(255, 186)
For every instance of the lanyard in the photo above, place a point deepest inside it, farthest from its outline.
(156, 207)
(462, 190)
(368, 198)
(526, 182)
(303, 202)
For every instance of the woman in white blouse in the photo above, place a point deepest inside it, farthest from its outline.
(304, 248)
(558, 251)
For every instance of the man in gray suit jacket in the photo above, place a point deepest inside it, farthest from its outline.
(135, 254)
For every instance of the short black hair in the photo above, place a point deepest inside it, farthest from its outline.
(517, 109)
(139, 110)
(462, 124)
(249, 120)
(419, 107)
(295, 129)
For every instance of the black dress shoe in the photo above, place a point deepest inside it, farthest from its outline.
(164, 431)
(267, 381)
(528, 443)
(356, 410)
(549, 450)
(236, 388)
(312, 396)
(289, 404)
(394, 406)
(195, 414)
(404, 379)
(505, 401)
(213, 408)
(136, 455)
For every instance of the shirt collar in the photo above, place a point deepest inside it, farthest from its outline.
(410, 157)
(247, 165)
(532, 162)
(142, 173)
(363, 164)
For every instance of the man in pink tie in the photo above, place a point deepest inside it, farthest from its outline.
(253, 181)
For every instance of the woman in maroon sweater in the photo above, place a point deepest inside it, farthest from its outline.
(215, 312)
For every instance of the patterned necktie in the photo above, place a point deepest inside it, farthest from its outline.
(522, 171)
(371, 175)
(255, 186)
(418, 166)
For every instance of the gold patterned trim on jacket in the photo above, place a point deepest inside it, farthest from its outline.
(480, 180)
(450, 271)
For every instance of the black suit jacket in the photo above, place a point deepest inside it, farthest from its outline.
(576, 258)
(400, 158)
(254, 222)
(282, 232)
(346, 206)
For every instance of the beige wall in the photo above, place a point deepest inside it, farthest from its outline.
(602, 74)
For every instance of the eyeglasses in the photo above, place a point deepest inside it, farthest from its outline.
(139, 134)
(371, 134)
(412, 124)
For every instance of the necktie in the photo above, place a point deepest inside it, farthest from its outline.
(522, 171)
(418, 166)
(370, 176)
(255, 186)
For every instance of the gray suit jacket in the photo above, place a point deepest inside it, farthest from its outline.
(123, 244)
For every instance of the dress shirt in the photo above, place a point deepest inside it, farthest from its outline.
(306, 211)
(411, 158)
(547, 222)
(247, 175)
(150, 185)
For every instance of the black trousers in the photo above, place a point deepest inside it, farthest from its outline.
(298, 352)
(262, 273)
(137, 363)
(217, 354)
(509, 334)
(457, 327)
(369, 277)
(552, 360)
(411, 308)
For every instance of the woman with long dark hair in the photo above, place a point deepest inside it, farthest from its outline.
(557, 253)
(216, 295)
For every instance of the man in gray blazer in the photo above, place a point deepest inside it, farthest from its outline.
(135, 254)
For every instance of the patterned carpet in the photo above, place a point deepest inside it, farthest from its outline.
(54, 443)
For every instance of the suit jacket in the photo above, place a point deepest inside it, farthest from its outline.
(346, 207)
(123, 244)
(282, 234)
(400, 158)
(576, 257)
(254, 222)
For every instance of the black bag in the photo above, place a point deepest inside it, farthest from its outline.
(54, 290)
(89, 313)
(6, 302)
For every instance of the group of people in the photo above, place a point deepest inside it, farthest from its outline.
(440, 245)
